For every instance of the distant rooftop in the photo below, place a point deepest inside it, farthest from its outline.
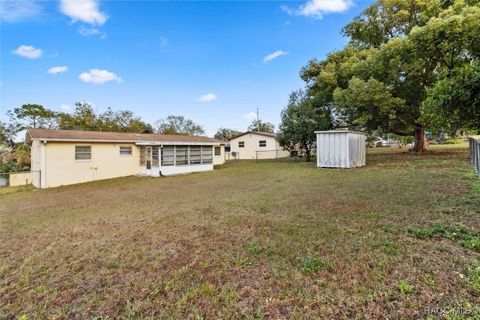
(267, 134)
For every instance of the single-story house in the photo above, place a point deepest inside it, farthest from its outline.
(63, 157)
(256, 145)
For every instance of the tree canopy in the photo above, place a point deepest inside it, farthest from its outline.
(32, 116)
(225, 134)
(6, 134)
(398, 51)
(85, 118)
(300, 120)
(453, 103)
(178, 125)
(259, 125)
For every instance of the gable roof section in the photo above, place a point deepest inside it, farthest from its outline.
(102, 136)
(266, 134)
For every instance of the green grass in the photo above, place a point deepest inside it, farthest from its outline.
(468, 238)
(405, 288)
(267, 239)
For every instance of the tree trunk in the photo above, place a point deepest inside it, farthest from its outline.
(420, 144)
(307, 155)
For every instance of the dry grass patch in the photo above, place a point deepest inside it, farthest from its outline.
(269, 239)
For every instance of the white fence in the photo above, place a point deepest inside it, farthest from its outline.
(474, 147)
(271, 154)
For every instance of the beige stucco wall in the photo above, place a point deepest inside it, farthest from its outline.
(59, 167)
(37, 150)
(249, 151)
(20, 179)
(217, 160)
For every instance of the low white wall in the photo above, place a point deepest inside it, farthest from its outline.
(272, 154)
(20, 179)
(172, 170)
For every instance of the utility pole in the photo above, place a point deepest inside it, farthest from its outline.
(258, 122)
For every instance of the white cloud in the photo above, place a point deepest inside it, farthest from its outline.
(250, 115)
(65, 108)
(86, 11)
(207, 97)
(15, 10)
(28, 52)
(57, 69)
(318, 8)
(274, 55)
(97, 76)
(87, 31)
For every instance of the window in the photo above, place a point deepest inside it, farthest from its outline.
(195, 155)
(168, 156)
(218, 151)
(125, 151)
(241, 144)
(181, 155)
(262, 143)
(83, 152)
(227, 148)
(207, 154)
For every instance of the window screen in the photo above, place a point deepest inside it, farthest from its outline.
(167, 156)
(181, 155)
(218, 151)
(207, 154)
(195, 155)
(83, 152)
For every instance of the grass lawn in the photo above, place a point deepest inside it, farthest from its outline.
(251, 240)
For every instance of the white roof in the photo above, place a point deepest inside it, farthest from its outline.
(340, 131)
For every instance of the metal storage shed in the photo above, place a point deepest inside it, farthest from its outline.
(340, 149)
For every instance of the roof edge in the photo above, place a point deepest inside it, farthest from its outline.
(341, 131)
(137, 142)
(266, 134)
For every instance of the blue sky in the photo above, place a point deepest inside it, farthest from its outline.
(212, 61)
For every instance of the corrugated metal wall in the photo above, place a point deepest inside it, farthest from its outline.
(340, 149)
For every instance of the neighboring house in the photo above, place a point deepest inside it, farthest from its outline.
(256, 145)
(64, 157)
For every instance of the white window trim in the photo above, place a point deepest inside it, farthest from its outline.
(83, 160)
(125, 155)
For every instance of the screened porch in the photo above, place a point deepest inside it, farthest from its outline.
(172, 159)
